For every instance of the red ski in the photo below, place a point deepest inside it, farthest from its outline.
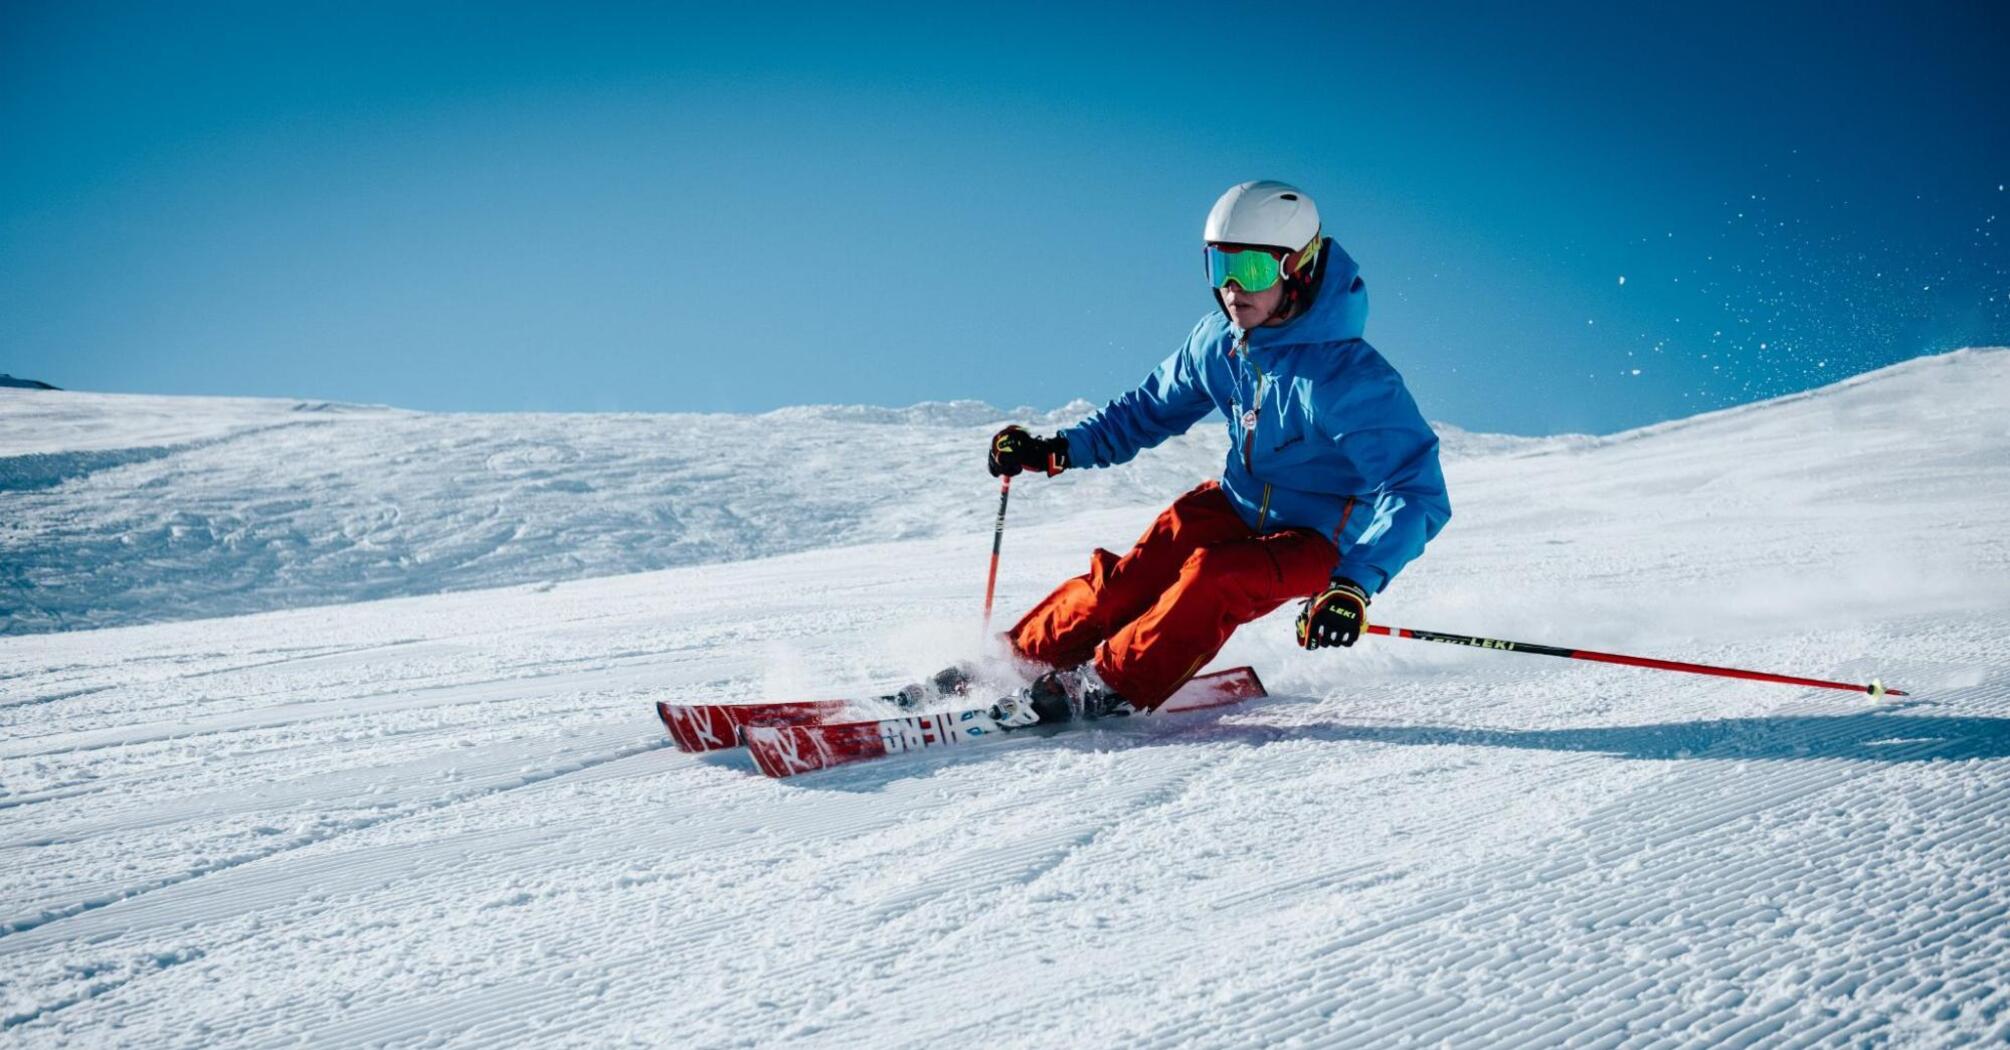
(786, 750)
(711, 727)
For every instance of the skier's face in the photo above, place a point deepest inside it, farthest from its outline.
(1251, 309)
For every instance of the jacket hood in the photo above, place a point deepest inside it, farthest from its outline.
(1339, 312)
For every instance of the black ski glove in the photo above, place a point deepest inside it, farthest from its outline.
(1013, 449)
(1334, 616)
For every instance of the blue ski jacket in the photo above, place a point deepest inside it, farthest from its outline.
(1323, 434)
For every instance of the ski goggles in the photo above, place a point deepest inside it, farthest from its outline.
(1253, 269)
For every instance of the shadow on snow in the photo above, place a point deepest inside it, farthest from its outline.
(1866, 736)
(1886, 735)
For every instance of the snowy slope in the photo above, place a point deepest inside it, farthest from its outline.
(451, 819)
(126, 509)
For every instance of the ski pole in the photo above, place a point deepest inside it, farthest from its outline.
(997, 541)
(1876, 688)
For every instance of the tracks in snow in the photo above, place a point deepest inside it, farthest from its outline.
(316, 855)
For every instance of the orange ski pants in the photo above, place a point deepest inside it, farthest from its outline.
(1157, 615)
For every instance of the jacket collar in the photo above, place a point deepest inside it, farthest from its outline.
(1338, 313)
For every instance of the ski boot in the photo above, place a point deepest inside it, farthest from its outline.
(954, 680)
(1060, 697)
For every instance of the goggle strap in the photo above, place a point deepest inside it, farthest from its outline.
(1310, 252)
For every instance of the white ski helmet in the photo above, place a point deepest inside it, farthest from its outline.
(1267, 213)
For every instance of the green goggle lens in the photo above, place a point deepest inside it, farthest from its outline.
(1252, 269)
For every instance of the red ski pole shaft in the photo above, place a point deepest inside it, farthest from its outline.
(997, 541)
(1875, 688)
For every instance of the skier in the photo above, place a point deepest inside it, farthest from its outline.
(1332, 483)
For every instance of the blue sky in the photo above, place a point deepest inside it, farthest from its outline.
(736, 207)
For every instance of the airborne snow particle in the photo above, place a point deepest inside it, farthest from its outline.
(1636, 371)
(1622, 278)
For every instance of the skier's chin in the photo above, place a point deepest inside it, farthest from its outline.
(1245, 316)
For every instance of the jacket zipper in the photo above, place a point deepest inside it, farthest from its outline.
(1249, 432)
